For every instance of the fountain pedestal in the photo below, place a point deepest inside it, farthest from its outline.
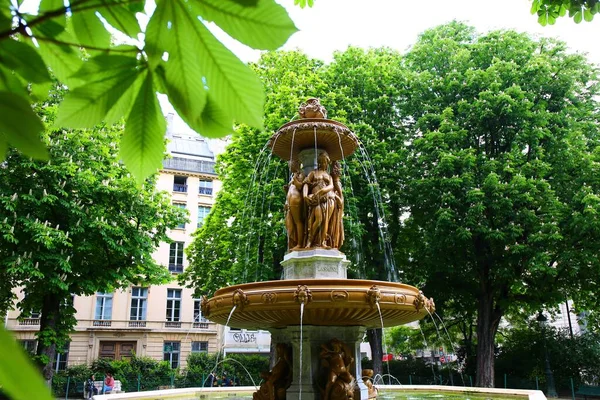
(315, 264)
(306, 346)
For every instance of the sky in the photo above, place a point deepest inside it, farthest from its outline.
(333, 25)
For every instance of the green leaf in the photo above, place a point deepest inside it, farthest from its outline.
(578, 16)
(535, 6)
(10, 82)
(123, 106)
(122, 18)
(63, 60)
(20, 126)
(247, 3)
(52, 5)
(87, 105)
(234, 85)
(214, 121)
(543, 18)
(24, 59)
(18, 377)
(587, 15)
(90, 30)
(39, 91)
(171, 30)
(266, 26)
(142, 145)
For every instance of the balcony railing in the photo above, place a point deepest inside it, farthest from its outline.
(92, 324)
(176, 268)
(180, 187)
(186, 164)
(102, 322)
(205, 190)
(29, 321)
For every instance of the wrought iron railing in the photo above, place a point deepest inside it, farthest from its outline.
(190, 165)
(180, 187)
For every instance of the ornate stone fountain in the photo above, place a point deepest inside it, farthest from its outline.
(317, 317)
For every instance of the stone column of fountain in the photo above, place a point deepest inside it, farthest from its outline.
(316, 316)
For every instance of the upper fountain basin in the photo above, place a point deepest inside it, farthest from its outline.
(307, 133)
(327, 302)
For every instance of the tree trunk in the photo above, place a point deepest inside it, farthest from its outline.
(375, 336)
(49, 321)
(488, 320)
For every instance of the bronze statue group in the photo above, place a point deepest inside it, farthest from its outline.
(314, 206)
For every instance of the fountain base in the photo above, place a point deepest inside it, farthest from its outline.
(307, 345)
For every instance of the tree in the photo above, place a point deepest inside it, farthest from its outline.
(208, 86)
(549, 10)
(75, 225)
(502, 179)
(244, 238)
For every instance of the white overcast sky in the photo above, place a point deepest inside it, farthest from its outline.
(332, 25)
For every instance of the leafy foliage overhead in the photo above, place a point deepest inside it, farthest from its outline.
(209, 87)
(549, 10)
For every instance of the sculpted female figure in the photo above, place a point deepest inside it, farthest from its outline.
(319, 196)
(295, 213)
(337, 218)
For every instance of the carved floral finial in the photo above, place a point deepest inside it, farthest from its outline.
(312, 109)
(373, 295)
(302, 294)
(204, 306)
(420, 301)
(430, 305)
(240, 299)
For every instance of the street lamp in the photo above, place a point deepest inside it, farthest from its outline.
(543, 321)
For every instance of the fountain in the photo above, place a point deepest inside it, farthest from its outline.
(317, 317)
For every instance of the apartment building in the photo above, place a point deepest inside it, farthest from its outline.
(164, 321)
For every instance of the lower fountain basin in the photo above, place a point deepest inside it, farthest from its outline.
(327, 302)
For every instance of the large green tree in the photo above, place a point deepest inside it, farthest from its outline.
(502, 180)
(74, 225)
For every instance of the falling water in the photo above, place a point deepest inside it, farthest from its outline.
(427, 346)
(315, 165)
(301, 354)
(454, 348)
(224, 337)
(353, 218)
(385, 245)
(387, 362)
(237, 362)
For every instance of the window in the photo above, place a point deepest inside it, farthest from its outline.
(199, 347)
(103, 305)
(202, 213)
(62, 357)
(205, 187)
(173, 305)
(139, 297)
(35, 314)
(180, 184)
(176, 257)
(29, 345)
(182, 206)
(171, 353)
